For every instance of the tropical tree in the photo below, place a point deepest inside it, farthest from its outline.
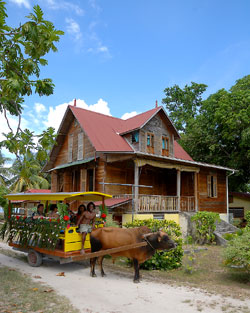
(219, 131)
(4, 171)
(22, 51)
(30, 158)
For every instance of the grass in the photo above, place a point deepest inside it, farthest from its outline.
(208, 273)
(19, 293)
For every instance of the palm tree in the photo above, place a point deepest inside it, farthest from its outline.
(27, 175)
(4, 171)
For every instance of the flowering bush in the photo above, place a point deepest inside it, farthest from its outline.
(163, 260)
(39, 232)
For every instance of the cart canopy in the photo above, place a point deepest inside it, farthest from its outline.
(59, 196)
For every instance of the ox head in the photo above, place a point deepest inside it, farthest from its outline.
(160, 241)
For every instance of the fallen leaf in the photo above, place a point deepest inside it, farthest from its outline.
(49, 290)
(37, 276)
(60, 274)
(34, 289)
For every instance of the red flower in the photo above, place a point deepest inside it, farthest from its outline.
(66, 217)
(24, 217)
(58, 220)
(50, 219)
(17, 217)
(103, 215)
(41, 218)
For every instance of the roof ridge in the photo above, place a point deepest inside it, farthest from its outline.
(110, 116)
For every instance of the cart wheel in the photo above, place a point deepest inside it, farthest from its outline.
(35, 258)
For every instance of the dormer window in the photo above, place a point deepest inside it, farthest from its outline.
(150, 143)
(135, 136)
(165, 146)
(150, 140)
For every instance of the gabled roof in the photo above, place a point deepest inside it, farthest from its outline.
(105, 131)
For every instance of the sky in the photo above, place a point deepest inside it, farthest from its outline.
(118, 56)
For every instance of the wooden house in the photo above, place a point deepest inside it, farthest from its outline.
(108, 154)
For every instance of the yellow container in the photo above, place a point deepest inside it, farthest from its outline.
(73, 239)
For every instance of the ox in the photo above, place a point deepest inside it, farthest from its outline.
(112, 237)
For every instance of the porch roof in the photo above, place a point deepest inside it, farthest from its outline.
(71, 164)
(181, 161)
(114, 202)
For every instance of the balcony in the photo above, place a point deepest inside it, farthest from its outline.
(158, 203)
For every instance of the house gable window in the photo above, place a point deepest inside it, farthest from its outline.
(70, 148)
(150, 143)
(135, 136)
(80, 146)
(212, 186)
(165, 146)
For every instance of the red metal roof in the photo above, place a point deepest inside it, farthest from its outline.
(113, 202)
(104, 131)
(38, 191)
(180, 153)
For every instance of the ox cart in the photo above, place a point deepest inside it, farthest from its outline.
(58, 239)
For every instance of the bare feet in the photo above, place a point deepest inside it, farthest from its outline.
(82, 252)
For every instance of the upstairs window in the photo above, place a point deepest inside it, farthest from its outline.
(80, 147)
(165, 145)
(70, 148)
(212, 186)
(135, 136)
(150, 140)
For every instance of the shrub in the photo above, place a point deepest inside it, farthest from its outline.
(247, 217)
(237, 253)
(205, 226)
(163, 260)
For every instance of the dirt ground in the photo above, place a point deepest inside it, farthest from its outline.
(116, 293)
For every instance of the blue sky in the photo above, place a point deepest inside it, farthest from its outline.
(117, 56)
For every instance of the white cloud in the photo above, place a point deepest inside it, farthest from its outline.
(73, 29)
(56, 114)
(39, 107)
(65, 5)
(25, 3)
(95, 6)
(103, 49)
(129, 115)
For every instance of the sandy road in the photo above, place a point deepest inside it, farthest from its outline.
(118, 294)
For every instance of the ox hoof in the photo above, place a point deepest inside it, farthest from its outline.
(93, 275)
(136, 281)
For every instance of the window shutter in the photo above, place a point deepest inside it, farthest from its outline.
(70, 148)
(80, 147)
(209, 185)
(215, 186)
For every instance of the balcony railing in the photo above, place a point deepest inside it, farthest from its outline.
(158, 203)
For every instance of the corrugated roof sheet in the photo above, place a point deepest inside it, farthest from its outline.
(104, 131)
(180, 153)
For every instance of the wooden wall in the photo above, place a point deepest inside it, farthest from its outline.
(158, 127)
(218, 204)
(88, 149)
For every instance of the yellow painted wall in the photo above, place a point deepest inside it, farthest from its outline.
(172, 217)
(127, 218)
(240, 203)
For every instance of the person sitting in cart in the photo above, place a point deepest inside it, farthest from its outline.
(81, 209)
(39, 212)
(86, 222)
(53, 211)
